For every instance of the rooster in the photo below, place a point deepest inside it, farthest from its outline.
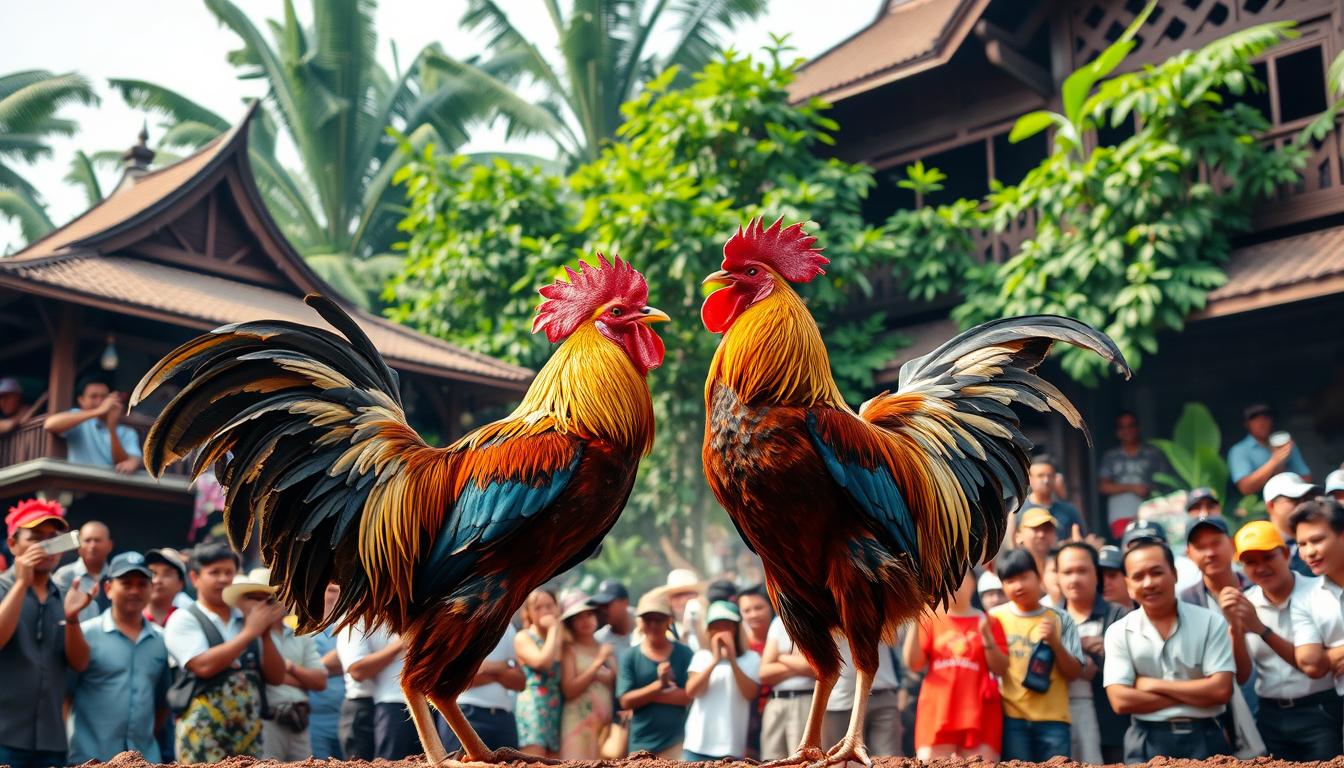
(442, 545)
(862, 520)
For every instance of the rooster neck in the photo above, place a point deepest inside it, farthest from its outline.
(588, 388)
(774, 351)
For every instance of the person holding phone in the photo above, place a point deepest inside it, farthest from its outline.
(93, 432)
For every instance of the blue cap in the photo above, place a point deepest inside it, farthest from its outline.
(128, 563)
(1142, 530)
(1212, 521)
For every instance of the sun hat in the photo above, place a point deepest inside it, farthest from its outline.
(1035, 517)
(574, 603)
(167, 556)
(654, 602)
(255, 581)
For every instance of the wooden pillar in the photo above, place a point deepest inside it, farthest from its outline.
(61, 381)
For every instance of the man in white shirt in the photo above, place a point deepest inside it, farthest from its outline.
(377, 657)
(1318, 628)
(1169, 664)
(488, 703)
(356, 726)
(1300, 717)
(791, 681)
(882, 727)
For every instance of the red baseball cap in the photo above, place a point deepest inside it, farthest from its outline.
(31, 513)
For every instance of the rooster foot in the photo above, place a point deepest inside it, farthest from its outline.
(497, 758)
(844, 753)
(804, 756)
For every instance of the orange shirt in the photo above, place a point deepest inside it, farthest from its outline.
(958, 693)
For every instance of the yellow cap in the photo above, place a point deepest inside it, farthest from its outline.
(1257, 536)
(1035, 517)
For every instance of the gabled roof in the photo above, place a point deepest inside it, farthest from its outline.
(905, 38)
(193, 244)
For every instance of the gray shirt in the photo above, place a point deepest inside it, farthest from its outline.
(32, 673)
(1138, 469)
(1199, 646)
(78, 573)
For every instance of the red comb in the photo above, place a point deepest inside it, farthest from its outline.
(786, 250)
(567, 304)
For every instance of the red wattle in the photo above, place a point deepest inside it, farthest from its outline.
(722, 307)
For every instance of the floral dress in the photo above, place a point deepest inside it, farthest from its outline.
(584, 720)
(539, 703)
(221, 722)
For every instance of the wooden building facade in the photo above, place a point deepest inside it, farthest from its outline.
(169, 254)
(943, 81)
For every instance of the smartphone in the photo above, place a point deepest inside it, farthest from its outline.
(66, 542)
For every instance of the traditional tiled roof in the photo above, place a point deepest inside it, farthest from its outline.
(906, 37)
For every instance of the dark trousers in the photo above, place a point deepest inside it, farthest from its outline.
(1196, 739)
(496, 727)
(394, 736)
(356, 728)
(30, 758)
(1307, 729)
(1035, 741)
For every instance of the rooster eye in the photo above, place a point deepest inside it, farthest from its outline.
(751, 271)
(615, 311)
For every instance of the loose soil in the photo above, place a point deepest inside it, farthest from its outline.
(646, 760)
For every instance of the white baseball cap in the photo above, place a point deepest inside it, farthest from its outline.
(987, 582)
(1289, 485)
(1334, 481)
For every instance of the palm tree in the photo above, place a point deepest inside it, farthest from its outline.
(334, 103)
(29, 101)
(605, 55)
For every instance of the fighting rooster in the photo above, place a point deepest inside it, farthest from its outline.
(442, 545)
(862, 520)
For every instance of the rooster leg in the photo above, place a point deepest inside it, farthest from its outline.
(477, 754)
(809, 750)
(424, 726)
(851, 748)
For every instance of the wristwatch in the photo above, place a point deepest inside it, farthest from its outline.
(1265, 633)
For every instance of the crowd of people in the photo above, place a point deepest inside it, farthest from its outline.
(1102, 646)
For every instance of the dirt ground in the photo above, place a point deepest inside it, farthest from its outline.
(644, 760)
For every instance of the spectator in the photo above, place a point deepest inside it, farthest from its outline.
(95, 546)
(1125, 473)
(34, 650)
(229, 654)
(12, 412)
(324, 722)
(1253, 461)
(722, 684)
(615, 616)
(652, 681)
(1283, 493)
(1187, 573)
(166, 589)
(990, 589)
(93, 432)
(756, 617)
(791, 680)
(1037, 533)
(120, 700)
(1169, 664)
(587, 680)
(959, 712)
(682, 589)
(1035, 723)
(1209, 545)
(362, 662)
(538, 648)
(489, 703)
(882, 727)
(1098, 733)
(377, 656)
(1042, 476)
(284, 727)
(1050, 581)
(1318, 629)
(1334, 485)
(1113, 587)
(1203, 502)
(1300, 718)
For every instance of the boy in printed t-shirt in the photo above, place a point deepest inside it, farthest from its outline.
(1035, 725)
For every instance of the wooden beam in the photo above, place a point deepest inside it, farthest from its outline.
(14, 349)
(61, 379)
(182, 241)
(238, 255)
(1004, 55)
(198, 263)
(211, 219)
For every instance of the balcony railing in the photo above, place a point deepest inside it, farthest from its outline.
(29, 442)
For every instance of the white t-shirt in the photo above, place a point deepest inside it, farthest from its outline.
(1317, 618)
(785, 645)
(886, 679)
(717, 722)
(384, 687)
(185, 639)
(493, 695)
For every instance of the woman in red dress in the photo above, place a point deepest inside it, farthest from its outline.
(959, 712)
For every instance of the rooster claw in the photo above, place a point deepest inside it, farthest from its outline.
(844, 753)
(804, 756)
(496, 758)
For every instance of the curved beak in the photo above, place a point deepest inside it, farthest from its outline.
(650, 315)
(722, 277)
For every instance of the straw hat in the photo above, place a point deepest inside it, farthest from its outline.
(255, 581)
(573, 604)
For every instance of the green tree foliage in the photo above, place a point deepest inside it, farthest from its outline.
(687, 168)
(1129, 238)
(29, 103)
(606, 55)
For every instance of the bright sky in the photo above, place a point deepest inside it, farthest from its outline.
(180, 45)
